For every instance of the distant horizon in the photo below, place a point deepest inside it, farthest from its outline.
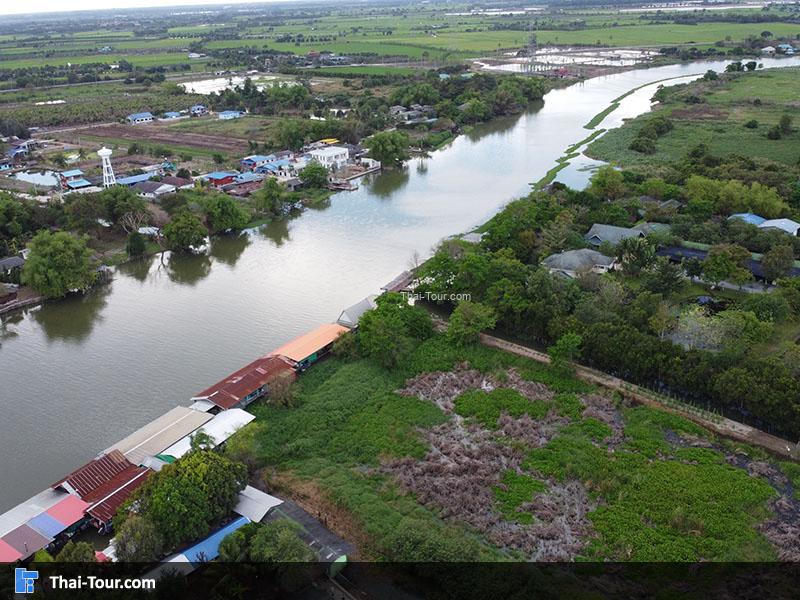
(57, 6)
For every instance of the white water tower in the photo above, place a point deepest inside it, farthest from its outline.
(108, 173)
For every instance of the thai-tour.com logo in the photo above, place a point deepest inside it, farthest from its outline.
(23, 581)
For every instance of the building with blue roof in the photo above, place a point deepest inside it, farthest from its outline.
(208, 549)
(46, 525)
(750, 218)
(172, 115)
(71, 174)
(250, 163)
(139, 118)
(227, 115)
(220, 178)
(249, 177)
(134, 179)
(76, 184)
(198, 110)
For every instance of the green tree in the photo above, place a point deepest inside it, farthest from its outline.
(785, 124)
(387, 333)
(777, 262)
(223, 213)
(76, 552)
(664, 277)
(269, 199)
(138, 540)
(566, 349)
(727, 262)
(120, 200)
(278, 542)
(607, 183)
(389, 147)
(636, 254)
(184, 232)
(136, 245)
(314, 175)
(468, 320)
(186, 498)
(58, 263)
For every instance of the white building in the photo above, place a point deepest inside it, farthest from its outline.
(331, 157)
(786, 225)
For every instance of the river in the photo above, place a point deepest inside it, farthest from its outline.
(80, 374)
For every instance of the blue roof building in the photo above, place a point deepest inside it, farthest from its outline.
(226, 115)
(172, 115)
(198, 109)
(750, 218)
(249, 177)
(76, 184)
(208, 549)
(134, 179)
(72, 173)
(142, 117)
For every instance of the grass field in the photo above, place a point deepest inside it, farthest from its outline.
(650, 493)
(717, 122)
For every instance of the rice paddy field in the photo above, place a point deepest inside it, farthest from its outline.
(438, 32)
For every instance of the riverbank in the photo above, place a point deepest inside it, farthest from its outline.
(164, 327)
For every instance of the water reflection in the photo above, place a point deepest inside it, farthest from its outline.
(228, 249)
(73, 318)
(187, 268)
(137, 269)
(278, 231)
(386, 183)
(5, 322)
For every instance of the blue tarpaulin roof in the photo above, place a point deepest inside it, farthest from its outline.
(748, 218)
(220, 175)
(78, 183)
(134, 179)
(208, 549)
(47, 525)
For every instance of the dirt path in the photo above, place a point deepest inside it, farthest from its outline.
(716, 423)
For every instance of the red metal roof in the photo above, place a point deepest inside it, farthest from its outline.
(70, 510)
(7, 553)
(105, 507)
(94, 475)
(236, 386)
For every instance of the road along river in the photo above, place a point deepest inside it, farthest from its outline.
(78, 375)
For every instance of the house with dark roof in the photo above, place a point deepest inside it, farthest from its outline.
(10, 263)
(247, 384)
(612, 234)
(153, 189)
(573, 263)
(179, 183)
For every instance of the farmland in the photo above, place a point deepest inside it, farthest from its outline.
(714, 113)
(433, 32)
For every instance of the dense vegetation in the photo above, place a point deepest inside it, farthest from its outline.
(643, 323)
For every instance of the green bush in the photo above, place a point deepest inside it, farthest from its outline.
(488, 406)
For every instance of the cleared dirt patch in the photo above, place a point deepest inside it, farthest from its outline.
(700, 112)
(155, 134)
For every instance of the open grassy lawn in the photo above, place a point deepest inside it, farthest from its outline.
(653, 486)
(718, 121)
(139, 60)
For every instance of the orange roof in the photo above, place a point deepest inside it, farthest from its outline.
(314, 341)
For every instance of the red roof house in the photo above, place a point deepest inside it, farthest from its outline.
(247, 384)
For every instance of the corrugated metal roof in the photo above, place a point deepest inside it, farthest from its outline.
(220, 428)
(95, 474)
(301, 348)
(78, 183)
(105, 508)
(26, 540)
(250, 378)
(69, 510)
(160, 434)
(132, 179)
(18, 515)
(351, 314)
(46, 525)
(72, 173)
(255, 504)
(7, 553)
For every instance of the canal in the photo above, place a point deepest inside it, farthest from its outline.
(78, 375)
